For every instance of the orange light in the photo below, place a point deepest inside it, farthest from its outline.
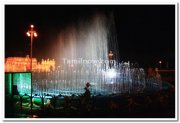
(32, 26)
(28, 34)
(110, 54)
(35, 34)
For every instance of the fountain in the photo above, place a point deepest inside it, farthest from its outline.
(68, 80)
(83, 50)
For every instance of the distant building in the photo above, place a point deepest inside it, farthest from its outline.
(22, 64)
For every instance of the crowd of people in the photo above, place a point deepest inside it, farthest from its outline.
(158, 104)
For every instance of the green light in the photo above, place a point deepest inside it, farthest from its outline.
(23, 82)
(37, 101)
(8, 83)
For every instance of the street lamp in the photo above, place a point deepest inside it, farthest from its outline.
(31, 33)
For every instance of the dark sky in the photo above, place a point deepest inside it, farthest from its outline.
(145, 33)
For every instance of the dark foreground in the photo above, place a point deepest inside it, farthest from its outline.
(159, 104)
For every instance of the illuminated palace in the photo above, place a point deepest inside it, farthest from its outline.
(22, 64)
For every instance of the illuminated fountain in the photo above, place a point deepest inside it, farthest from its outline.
(85, 58)
(72, 79)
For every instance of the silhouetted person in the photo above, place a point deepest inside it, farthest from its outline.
(157, 77)
(150, 77)
(87, 93)
(86, 100)
(48, 107)
(150, 72)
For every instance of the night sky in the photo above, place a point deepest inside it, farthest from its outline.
(145, 33)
